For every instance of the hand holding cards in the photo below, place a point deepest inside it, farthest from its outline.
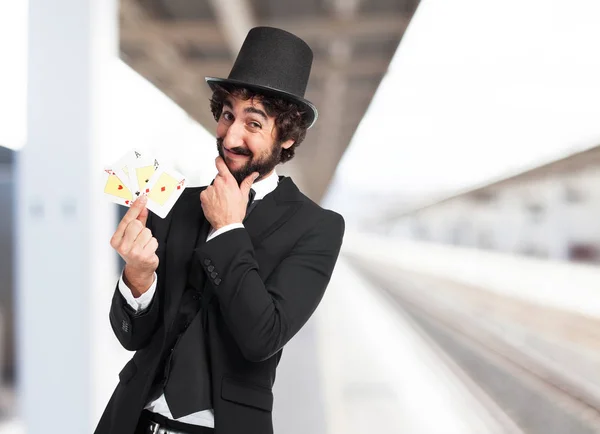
(136, 174)
(137, 246)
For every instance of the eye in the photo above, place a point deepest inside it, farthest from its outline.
(227, 116)
(255, 125)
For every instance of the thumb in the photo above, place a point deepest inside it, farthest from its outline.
(247, 183)
(143, 216)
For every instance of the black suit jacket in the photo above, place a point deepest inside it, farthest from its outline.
(265, 281)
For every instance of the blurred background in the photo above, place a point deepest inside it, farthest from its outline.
(460, 139)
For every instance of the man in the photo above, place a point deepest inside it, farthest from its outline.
(211, 294)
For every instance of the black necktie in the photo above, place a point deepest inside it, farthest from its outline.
(251, 201)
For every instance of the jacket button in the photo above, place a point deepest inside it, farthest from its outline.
(213, 274)
(207, 261)
(211, 268)
(217, 281)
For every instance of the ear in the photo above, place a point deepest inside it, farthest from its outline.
(288, 144)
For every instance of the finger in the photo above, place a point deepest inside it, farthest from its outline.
(151, 245)
(143, 238)
(204, 194)
(136, 209)
(131, 233)
(246, 184)
(222, 168)
(143, 216)
(218, 181)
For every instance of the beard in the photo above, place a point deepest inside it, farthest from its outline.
(262, 165)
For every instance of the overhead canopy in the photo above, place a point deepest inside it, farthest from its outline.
(176, 43)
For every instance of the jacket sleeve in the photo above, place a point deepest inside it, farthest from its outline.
(264, 316)
(134, 329)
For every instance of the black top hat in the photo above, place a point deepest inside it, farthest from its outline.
(274, 63)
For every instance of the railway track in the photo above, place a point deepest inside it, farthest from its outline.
(524, 392)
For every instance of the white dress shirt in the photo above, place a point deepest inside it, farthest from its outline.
(204, 417)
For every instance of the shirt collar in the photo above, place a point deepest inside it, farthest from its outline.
(265, 185)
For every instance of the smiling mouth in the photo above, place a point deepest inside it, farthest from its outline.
(238, 154)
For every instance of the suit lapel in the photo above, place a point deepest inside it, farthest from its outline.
(188, 220)
(273, 211)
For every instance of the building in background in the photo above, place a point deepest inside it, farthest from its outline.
(548, 212)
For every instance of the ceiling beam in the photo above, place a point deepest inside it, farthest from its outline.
(384, 26)
(335, 90)
(235, 19)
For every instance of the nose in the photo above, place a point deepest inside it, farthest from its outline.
(234, 136)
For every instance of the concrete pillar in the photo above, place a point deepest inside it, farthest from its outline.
(65, 267)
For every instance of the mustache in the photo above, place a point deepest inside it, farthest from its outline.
(237, 150)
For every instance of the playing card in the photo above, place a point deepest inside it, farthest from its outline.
(116, 188)
(163, 190)
(141, 171)
(128, 160)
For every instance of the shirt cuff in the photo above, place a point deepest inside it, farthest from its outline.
(143, 301)
(223, 230)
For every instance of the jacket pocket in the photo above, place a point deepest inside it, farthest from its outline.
(128, 372)
(248, 394)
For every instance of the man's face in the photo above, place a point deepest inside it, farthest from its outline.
(246, 138)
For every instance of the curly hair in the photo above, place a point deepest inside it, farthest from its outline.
(290, 118)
